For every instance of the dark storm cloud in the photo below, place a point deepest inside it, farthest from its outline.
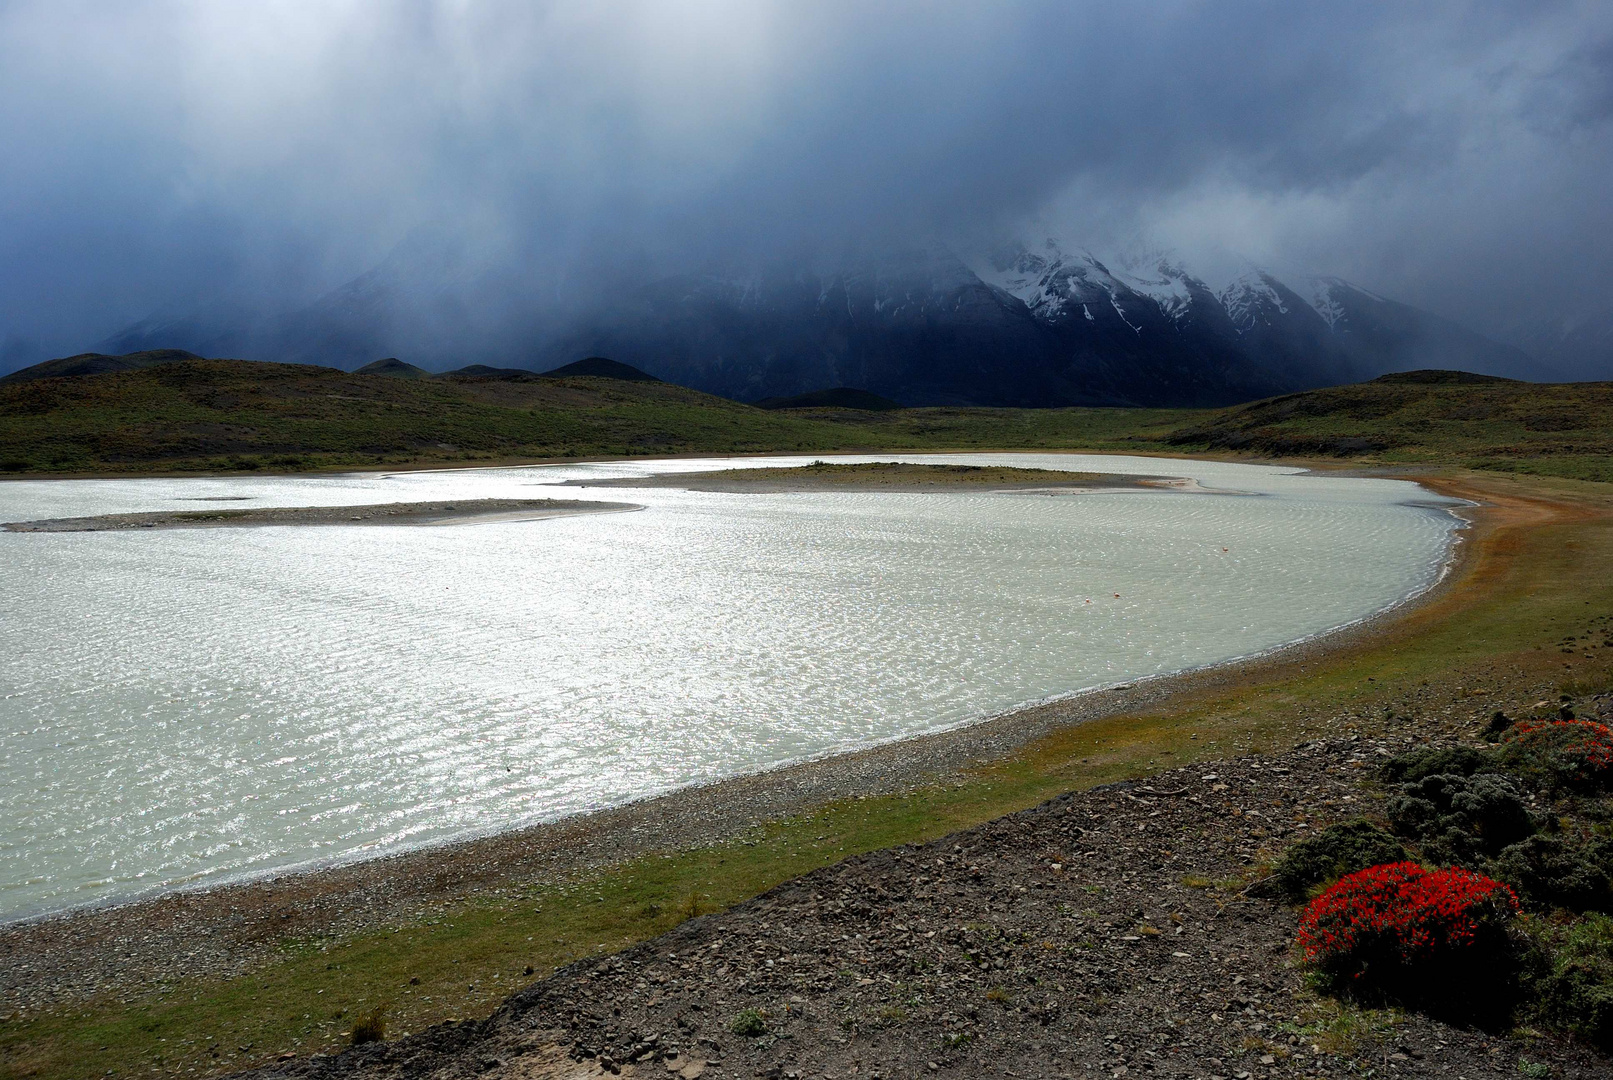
(178, 155)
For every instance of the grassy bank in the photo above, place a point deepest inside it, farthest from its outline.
(1541, 574)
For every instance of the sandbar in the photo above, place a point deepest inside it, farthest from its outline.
(898, 477)
(449, 512)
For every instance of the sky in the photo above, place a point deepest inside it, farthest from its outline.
(172, 156)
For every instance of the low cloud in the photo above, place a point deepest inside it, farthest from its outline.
(171, 156)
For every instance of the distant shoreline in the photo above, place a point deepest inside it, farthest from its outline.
(433, 512)
(1328, 465)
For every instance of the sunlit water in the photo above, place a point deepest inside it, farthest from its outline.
(180, 707)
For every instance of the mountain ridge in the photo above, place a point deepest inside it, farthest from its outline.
(1020, 328)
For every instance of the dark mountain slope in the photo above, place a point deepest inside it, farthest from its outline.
(97, 364)
(839, 397)
(920, 328)
(599, 367)
(395, 368)
(1040, 328)
(1378, 334)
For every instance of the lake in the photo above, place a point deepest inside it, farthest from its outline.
(187, 707)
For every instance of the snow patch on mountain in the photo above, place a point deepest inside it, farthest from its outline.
(1330, 297)
(1052, 282)
(1252, 299)
(1325, 303)
(1157, 274)
(1028, 276)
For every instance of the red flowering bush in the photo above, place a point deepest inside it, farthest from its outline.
(1396, 932)
(1575, 754)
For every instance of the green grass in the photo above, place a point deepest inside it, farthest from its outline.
(1533, 585)
(226, 415)
(1544, 429)
(233, 416)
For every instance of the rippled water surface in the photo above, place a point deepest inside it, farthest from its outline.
(184, 706)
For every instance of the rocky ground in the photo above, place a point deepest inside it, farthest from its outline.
(1103, 933)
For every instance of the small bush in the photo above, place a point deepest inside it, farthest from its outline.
(1572, 755)
(1335, 851)
(1573, 988)
(1461, 818)
(749, 1024)
(372, 1028)
(1397, 933)
(1550, 872)
(1415, 764)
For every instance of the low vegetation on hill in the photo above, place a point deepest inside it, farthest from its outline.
(231, 415)
(132, 414)
(1563, 429)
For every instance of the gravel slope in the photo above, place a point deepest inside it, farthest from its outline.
(1102, 933)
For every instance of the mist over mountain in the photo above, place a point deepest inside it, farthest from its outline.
(457, 181)
(1021, 326)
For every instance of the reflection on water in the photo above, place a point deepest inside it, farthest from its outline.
(185, 706)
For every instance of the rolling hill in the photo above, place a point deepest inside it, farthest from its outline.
(1563, 429)
(191, 414)
(234, 415)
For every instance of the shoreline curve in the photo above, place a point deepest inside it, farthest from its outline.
(229, 926)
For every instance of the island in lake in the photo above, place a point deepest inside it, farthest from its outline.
(896, 476)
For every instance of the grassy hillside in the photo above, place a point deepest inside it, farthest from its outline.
(1561, 429)
(233, 415)
(222, 415)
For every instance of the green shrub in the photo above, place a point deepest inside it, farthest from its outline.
(1571, 988)
(1415, 764)
(1551, 872)
(1461, 818)
(1561, 755)
(749, 1024)
(1335, 851)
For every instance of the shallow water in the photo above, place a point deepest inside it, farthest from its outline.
(188, 706)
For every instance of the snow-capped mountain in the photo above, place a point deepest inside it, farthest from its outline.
(1052, 283)
(1024, 326)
